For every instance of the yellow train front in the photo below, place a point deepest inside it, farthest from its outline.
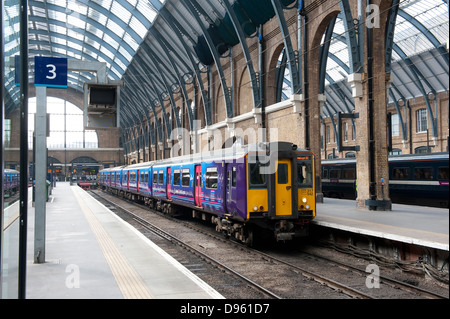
(281, 189)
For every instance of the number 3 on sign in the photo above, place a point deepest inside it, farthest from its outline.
(52, 69)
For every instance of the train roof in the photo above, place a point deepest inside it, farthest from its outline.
(234, 152)
(393, 158)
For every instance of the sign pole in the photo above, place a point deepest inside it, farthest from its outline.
(41, 174)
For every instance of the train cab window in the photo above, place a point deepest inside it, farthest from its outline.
(256, 179)
(211, 177)
(443, 173)
(304, 174)
(186, 177)
(161, 178)
(176, 177)
(423, 173)
(155, 177)
(400, 173)
(283, 173)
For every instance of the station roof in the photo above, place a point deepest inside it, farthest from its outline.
(158, 44)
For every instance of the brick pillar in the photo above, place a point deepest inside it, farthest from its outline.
(372, 160)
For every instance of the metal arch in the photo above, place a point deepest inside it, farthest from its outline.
(168, 51)
(192, 6)
(430, 36)
(132, 33)
(390, 31)
(339, 62)
(292, 58)
(323, 54)
(257, 103)
(177, 28)
(158, 96)
(62, 24)
(76, 51)
(100, 9)
(152, 107)
(353, 45)
(157, 62)
(280, 71)
(397, 107)
(418, 76)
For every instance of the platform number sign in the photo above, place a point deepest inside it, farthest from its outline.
(50, 72)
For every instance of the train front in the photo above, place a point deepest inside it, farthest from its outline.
(281, 189)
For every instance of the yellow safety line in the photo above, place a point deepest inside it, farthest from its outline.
(129, 282)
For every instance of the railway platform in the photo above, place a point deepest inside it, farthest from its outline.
(414, 225)
(92, 254)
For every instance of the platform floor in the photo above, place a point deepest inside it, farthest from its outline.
(424, 226)
(91, 253)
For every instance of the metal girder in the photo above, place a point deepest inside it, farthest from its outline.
(146, 99)
(427, 33)
(146, 75)
(323, 54)
(353, 43)
(175, 68)
(397, 107)
(157, 63)
(179, 31)
(242, 39)
(293, 59)
(390, 28)
(193, 7)
(280, 76)
(418, 78)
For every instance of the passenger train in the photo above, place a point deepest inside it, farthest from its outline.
(416, 179)
(242, 190)
(11, 181)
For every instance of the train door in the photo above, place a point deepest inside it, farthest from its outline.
(138, 180)
(283, 187)
(198, 186)
(168, 184)
(231, 191)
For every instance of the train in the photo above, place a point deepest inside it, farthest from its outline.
(11, 182)
(415, 179)
(263, 188)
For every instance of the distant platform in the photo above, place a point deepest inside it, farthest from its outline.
(92, 253)
(419, 225)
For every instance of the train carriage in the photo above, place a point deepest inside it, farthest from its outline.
(264, 186)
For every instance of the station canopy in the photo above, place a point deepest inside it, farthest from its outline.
(159, 45)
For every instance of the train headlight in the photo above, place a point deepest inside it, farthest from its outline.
(255, 208)
(304, 199)
(307, 206)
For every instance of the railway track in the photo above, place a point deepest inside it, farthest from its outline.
(284, 268)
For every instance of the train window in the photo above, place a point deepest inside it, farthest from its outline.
(155, 177)
(443, 173)
(424, 173)
(400, 173)
(133, 177)
(334, 173)
(161, 178)
(283, 173)
(349, 173)
(304, 174)
(186, 177)
(176, 177)
(324, 173)
(233, 177)
(211, 177)
(256, 179)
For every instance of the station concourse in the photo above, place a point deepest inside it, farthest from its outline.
(90, 85)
